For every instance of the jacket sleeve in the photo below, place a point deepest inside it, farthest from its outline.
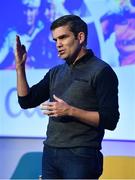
(107, 95)
(38, 93)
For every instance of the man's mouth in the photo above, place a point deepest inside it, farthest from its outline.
(61, 52)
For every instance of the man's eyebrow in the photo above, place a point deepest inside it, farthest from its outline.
(60, 37)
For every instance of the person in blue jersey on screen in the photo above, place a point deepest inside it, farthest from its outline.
(34, 33)
(83, 102)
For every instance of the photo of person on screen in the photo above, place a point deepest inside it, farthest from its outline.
(33, 30)
(80, 97)
(120, 23)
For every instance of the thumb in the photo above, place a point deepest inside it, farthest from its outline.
(57, 99)
(24, 57)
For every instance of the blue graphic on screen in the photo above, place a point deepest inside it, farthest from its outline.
(111, 35)
(32, 22)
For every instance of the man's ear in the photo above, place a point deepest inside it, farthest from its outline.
(81, 37)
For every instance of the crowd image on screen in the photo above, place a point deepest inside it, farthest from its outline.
(33, 25)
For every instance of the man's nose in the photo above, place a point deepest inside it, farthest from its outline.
(59, 43)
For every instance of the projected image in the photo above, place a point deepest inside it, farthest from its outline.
(33, 28)
(119, 24)
(32, 23)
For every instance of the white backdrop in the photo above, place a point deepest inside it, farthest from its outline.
(17, 122)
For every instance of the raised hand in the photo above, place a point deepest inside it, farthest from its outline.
(20, 54)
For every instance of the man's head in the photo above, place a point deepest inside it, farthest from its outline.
(31, 10)
(75, 24)
(70, 34)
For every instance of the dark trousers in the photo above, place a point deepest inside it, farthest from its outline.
(71, 163)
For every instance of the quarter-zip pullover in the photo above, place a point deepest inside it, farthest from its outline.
(89, 84)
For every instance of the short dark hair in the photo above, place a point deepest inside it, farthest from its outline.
(75, 23)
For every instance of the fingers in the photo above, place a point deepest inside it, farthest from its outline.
(54, 109)
(57, 99)
(23, 48)
(50, 113)
(48, 108)
(18, 42)
(19, 46)
(20, 53)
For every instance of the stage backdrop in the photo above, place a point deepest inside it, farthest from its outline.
(111, 26)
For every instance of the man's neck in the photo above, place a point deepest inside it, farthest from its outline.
(82, 52)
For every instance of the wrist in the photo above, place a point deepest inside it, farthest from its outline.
(20, 68)
(71, 110)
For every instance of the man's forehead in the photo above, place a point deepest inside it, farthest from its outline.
(65, 28)
(60, 31)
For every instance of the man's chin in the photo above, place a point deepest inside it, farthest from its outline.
(69, 60)
(63, 57)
